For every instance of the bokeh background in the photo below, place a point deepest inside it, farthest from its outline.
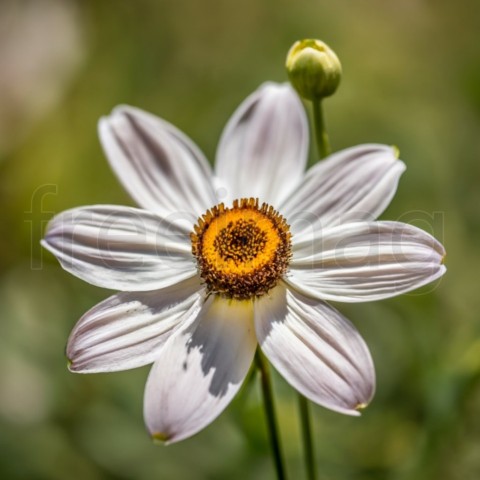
(411, 78)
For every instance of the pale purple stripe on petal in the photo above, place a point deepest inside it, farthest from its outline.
(352, 185)
(158, 165)
(264, 147)
(318, 351)
(199, 370)
(365, 261)
(128, 330)
(121, 248)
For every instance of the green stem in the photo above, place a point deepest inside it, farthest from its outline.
(270, 414)
(307, 437)
(323, 148)
(323, 144)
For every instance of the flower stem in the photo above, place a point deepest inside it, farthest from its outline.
(307, 437)
(323, 144)
(323, 148)
(269, 406)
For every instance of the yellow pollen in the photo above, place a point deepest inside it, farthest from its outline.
(241, 251)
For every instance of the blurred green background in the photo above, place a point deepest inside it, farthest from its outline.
(411, 78)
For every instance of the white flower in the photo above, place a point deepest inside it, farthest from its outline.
(203, 281)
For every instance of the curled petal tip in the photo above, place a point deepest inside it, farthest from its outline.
(396, 151)
(72, 367)
(160, 438)
(361, 406)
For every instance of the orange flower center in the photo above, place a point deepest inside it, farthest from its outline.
(241, 251)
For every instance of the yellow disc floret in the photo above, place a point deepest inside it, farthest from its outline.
(241, 251)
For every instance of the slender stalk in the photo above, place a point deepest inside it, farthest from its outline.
(269, 406)
(323, 144)
(307, 437)
(323, 148)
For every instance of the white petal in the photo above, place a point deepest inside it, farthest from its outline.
(157, 164)
(128, 330)
(199, 370)
(121, 248)
(352, 185)
(365, 261)
(318, 351)
(263, 149)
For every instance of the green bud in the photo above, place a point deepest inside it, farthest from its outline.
(313, 69)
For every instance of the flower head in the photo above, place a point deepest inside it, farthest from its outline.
(243, 251)
(216, 262)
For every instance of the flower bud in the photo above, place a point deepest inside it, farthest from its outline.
(313, 69)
